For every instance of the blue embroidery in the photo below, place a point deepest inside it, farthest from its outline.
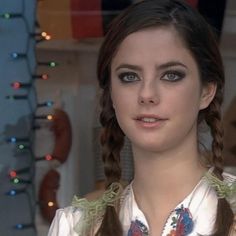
(182, 224)
(137, 228)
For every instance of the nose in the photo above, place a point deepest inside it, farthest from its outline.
(148, 94)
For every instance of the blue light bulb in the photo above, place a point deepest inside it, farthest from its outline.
(14, 55)
(12, 192)
(13, 139)
(19, 226)
(49, 103)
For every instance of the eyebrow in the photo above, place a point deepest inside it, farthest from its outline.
(160, 67)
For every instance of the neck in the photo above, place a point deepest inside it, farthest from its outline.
(166, 177)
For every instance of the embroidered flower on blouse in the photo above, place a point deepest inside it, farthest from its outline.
(137, 228)
(182, 223)
(172, 233)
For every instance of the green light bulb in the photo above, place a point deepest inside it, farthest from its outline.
(21, 146)
(16, 181)
(53, 64)
(7, 16)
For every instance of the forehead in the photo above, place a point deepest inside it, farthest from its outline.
(153, 44)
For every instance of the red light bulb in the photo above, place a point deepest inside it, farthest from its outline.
(48, 157)
(12, 174)
(44, 76)
(16, 85)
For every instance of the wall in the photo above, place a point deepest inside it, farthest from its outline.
(16, 115)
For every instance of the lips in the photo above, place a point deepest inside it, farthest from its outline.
(150, 121)
(149, 118)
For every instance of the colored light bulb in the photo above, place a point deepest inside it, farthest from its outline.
(44, 34)
(48, 157)
(21, 146)
(16, 85)
(7, 16)
(13, 173)
(44, 77)
(12, 192)
(49, 117)
(16, 181)
(11, 15)
(52, 64)
(14, 55)
(48, 37)
(19, 226)
(50, 204)
(49, 103)
(13, 139)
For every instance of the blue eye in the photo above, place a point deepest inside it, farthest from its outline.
(173, 76)
(127, 77)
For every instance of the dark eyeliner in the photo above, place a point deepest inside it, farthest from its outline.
(122, 76)
(179, 74)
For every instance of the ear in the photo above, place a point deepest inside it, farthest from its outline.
(111, 98)
(207, 95)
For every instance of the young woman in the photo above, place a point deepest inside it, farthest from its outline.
(162, 76)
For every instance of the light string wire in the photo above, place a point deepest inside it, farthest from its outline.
(29, 187)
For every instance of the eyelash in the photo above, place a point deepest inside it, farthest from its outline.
(125, 76)
(179, 74)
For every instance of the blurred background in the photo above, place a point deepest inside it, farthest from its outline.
(49, 128)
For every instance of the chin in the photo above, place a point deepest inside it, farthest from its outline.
(151, 147)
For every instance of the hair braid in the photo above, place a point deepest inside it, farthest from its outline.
(213, 119)
(112, 140)
(224, 215)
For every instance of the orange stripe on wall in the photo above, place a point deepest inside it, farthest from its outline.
(55, 18)
(86, 18)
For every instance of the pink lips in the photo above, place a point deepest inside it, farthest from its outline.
(150, 121)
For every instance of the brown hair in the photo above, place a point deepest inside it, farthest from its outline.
(202, 43)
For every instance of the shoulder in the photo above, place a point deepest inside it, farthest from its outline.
(203, 208)
(205, 201)
(64, 221)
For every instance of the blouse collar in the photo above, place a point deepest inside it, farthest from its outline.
(201, 204)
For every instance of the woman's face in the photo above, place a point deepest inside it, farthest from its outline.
(156, 89)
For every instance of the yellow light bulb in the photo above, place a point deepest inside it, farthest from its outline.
(49, 117)
(44, 34)
(48, 37)
(50, 204)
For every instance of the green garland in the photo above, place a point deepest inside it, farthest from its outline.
(93, 211)
(223, 189)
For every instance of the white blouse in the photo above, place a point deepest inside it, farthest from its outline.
(197, 212)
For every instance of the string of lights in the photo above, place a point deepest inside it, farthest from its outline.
(22, 180)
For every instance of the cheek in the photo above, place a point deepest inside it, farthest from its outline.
(187, 102)
(121, 96)
(120, 101)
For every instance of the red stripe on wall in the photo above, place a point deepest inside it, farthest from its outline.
(86, 18)
(193, 3)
